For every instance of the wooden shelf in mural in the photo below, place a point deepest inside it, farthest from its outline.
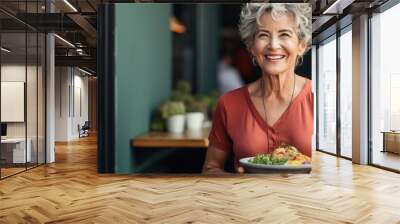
(188, 139)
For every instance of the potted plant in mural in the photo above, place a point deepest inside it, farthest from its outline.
(174, 113)
(199, 108)
(196, 108)
(211, 101)
(182, 91)
(157, 122)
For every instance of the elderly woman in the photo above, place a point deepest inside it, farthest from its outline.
(277, 108)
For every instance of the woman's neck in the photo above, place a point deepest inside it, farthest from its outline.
(280, 85)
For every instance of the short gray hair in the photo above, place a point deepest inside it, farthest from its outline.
(252, 12)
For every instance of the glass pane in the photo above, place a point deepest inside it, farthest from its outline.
(31, 100)
(31, 86)
(13, 86)
(327, 96)
(23, 88)
(346, 94)
(385, 89)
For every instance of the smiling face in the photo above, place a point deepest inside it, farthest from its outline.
(276, 44)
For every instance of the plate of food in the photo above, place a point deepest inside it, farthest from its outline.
(284, 159)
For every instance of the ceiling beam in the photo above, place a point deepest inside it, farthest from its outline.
(84, 61)
(337, 7)
(320, 22)
(79, 20)
(84, 24)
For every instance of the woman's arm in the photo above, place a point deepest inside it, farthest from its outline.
(215, 161)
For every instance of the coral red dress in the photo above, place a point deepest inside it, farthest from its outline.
(238, 127)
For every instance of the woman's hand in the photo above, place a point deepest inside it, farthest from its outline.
(215, 162)
(240, 170)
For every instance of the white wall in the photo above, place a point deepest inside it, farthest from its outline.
(13, 72)
(71, 93)
(61, 103)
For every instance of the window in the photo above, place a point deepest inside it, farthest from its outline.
(346, 93)
(385, 88)
(327, 96)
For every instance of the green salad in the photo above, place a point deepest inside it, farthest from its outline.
(267, 159)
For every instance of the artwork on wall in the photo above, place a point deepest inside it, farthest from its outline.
(12, 101)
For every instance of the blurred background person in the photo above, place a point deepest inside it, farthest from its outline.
(228, 76)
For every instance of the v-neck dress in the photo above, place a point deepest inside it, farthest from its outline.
(239, 128)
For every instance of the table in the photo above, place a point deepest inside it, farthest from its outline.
(156, 149)
(15, 148)
(391, 141)
(188, 139)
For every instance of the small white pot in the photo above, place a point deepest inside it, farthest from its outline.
(176, 123)
(195, 120)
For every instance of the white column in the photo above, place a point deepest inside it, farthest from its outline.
(50, 92)
(50, 99)
(360, 90)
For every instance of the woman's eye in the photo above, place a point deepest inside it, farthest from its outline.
(285, 35)
(262, 35)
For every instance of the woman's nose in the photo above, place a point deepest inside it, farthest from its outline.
(273, 43)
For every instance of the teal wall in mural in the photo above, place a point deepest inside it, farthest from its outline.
(207, 46)
(142, 70)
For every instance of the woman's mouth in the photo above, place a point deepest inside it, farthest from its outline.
(275, 57)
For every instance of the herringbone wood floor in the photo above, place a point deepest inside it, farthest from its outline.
(70, 191)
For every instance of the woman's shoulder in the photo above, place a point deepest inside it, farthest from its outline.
(235, 94)
(303, 90)
(304, 84)
(234, 97)
(303, 81)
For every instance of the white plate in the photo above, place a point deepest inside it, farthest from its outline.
(262, 168)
